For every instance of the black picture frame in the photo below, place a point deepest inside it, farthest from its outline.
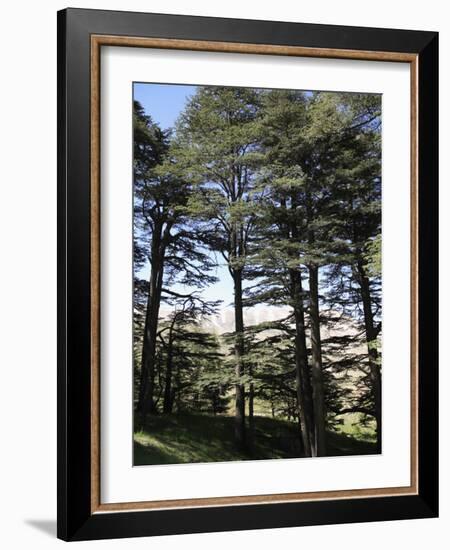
(75, 518)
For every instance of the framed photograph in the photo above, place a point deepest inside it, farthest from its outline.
(247, 274)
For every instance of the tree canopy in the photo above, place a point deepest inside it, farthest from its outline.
(283, 188)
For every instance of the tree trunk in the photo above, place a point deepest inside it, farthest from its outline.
(371, 339)
(251, 399)
(146, 403)
(302, 375)
(251, 419)
(239, 426)
(168, 397)
(316, 362)
(147, 378)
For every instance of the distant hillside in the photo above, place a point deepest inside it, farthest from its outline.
(224, 320)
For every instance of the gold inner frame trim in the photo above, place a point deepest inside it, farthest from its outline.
(97, 41)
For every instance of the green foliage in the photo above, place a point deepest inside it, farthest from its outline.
(216, 149)
(373, 256)
(163, 227)
(273, 183)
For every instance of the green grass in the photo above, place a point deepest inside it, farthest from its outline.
(352, 426)
(172, 439)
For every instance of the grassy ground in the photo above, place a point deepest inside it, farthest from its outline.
(352, 426)
(172, 439)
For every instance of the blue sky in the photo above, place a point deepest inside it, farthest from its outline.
(164, 102)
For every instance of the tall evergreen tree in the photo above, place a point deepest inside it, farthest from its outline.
(164, 234)
(284, 217)
(216, 142)
(356, 271)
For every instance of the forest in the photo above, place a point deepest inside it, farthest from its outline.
(257, 276)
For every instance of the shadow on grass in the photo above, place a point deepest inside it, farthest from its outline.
(340, 444)
(173, 439)
(170, 439)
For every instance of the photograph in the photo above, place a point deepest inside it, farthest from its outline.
(257, 273)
